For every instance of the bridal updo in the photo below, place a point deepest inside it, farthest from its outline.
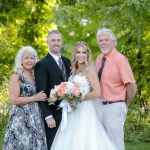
(18, 68)
(75, 68)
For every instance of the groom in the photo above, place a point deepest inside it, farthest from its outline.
(50, 71)
(117, 84)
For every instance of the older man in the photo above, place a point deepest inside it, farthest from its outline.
(117, 84)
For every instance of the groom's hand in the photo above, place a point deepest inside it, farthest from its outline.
(51, 122)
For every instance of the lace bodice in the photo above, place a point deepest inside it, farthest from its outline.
(82, 81)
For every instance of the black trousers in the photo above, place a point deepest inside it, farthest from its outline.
(50, 133)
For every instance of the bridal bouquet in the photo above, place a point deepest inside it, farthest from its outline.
(67, 91)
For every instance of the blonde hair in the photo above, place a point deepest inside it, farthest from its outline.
(75, 68)
(18, 68)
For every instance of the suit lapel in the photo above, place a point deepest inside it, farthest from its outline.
(54, 64)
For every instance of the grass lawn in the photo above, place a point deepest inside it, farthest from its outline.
(137, 146)
(129, 146)
(1, 138)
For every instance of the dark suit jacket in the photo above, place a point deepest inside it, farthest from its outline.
(47, 75)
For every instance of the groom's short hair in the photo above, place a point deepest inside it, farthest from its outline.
(53, 32)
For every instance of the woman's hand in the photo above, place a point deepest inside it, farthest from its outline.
(52, 98)
(82, 97)
(41, 96)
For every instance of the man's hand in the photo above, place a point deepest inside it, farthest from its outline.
(131, 91)
(51, 123)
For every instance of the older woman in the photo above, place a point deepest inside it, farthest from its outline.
(25, 129)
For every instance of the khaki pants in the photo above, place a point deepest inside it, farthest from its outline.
(113, 119)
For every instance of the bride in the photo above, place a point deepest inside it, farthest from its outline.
(84, 130)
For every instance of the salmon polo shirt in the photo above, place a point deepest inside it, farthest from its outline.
(116, 73)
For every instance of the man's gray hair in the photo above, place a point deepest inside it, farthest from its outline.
(53, 32)
(105, 31)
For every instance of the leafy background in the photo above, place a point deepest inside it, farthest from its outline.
(27, 22)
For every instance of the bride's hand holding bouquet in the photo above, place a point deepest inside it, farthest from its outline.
(67, 91)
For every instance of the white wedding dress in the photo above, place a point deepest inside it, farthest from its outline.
(84, 129)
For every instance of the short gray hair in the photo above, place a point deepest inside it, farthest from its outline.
(18, 60)
(53, 32)
(105, 31)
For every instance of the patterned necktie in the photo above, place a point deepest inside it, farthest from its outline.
(101, 68)
(62, 68)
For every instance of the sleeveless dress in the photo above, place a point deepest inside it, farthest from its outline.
(84, 129)
(25, 129)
